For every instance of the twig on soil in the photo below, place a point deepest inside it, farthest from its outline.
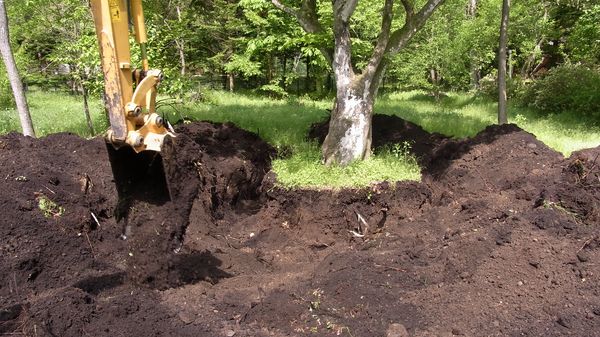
(592, 167)
(365, 226)
(487, 184)
(51, 191)
(10, 283)
(594, 163)
(90, 243)
(585, 244)
(357, 235)
(389, 267)
(95, 219)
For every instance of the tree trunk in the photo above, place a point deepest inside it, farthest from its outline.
(475, 68)
(231, 78)
(284, 74)
(13, 74)
(509, 65)
(435, 82)
(350, 127)
(307, 84)
(475, 76)
(181, 46)
(269, 68)
(502, 115)
(86, 110)
(349, 136)
(472, 8)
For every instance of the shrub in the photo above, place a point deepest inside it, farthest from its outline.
(568, 87)
(515, 87)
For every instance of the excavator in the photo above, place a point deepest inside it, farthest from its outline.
(138, 137)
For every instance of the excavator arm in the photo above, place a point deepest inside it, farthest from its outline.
(138, 141)
(132, 112)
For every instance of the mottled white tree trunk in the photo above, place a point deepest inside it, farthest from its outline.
(350, 126)
(13, 74)
(349, 136)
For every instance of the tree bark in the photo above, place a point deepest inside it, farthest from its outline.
(502, 115)
(181, 46)
(13, 74)
(475, 68)
(284, 74)
(350, 126)
(231, 79)
(86, 110)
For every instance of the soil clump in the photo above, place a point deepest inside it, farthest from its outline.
(500, 238)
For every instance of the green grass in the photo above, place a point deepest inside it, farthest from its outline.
(284, 124)
(54, 112)
(463, 115)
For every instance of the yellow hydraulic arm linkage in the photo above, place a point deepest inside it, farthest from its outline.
(139, 143)
(132, 114)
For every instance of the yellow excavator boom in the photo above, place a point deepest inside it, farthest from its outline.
(139, 144)
(132, 113)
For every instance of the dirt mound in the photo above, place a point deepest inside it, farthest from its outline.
(63, 241)
(500, 238)
(577, 192)
(388, 131)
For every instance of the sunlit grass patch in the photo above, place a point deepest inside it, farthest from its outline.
(464, 115)
(54, 112)
(305, 170)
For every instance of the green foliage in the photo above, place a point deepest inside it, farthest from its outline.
(569, 87)
(242, 64)
(584, 41)
(273, 90)
(6, 95)
(49, 208)
(516, 87)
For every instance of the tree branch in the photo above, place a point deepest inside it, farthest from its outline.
(306, 15)
(409, 8)
(344, 9)
(401, 36)
(308, 19)
(284, 8)
(384, 36)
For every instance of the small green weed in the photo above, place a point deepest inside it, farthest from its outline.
(559, 207)
(49, 208)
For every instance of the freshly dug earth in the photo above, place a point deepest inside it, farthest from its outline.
(502, 238)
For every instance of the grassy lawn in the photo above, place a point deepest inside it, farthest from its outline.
(284, 123)
(54, 112)
(462, 115)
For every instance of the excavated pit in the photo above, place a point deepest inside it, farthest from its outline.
(501, 238)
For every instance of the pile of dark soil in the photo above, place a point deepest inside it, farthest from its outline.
(501, 238)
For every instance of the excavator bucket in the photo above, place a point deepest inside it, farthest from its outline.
(139, 176)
